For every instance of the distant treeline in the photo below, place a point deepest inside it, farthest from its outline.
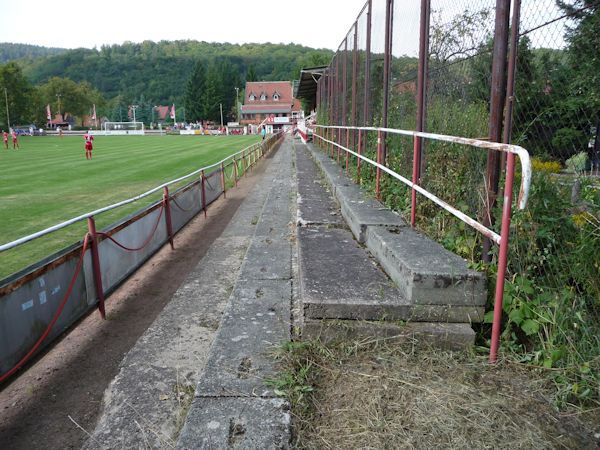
(10, 52)
(158, 71)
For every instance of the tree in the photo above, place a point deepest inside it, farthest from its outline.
(251, 74)
(193, 93)
(15, 90)
(583, 99)
(66, 96)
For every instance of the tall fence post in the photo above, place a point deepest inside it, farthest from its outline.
(418, 159)
(498, 92)
(387, 63)
(203, 186)
(96, 265)
(167, 206)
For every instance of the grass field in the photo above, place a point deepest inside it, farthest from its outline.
(49, 181)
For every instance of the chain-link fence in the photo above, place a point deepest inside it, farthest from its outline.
(373, 80)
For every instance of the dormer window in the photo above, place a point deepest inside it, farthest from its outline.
(252, 97)
(263, 97)
(276, 97)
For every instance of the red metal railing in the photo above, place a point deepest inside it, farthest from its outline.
(502, 239)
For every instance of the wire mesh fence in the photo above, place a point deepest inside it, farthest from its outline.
(373, 80)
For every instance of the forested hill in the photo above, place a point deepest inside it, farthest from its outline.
(159, 70)
(9, 52)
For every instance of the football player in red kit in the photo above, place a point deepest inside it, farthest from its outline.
(88, 145)
(15, 140)
(5, 139)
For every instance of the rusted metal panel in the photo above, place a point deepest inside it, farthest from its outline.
(26, 311)
(116, 264)
(185, 205)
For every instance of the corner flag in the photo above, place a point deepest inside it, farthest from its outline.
(173, 112)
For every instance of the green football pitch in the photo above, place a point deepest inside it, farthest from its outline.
(49, 181)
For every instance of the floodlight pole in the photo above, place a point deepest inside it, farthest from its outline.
(221, 108)
(7, 115)
(134, 107)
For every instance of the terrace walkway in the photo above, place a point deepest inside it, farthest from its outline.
(307, 253)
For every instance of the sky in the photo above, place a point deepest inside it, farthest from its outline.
(73, 24)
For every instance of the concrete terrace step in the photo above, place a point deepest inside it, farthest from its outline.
(425, 272)
(427, 275)
(358, 209)
(338, 280)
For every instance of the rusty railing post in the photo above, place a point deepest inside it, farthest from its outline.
(96, 265)
(358, 162)
(223, 180)
(502, 257)
(235, 174)
(508, 185)
(244, 163)
(347, 146)
(203, 186)
(167, 206)
(378, 176)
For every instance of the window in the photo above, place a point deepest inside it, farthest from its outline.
(251, 97)
(263, 97)
(276, 96)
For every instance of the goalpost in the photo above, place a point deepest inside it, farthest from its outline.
(123, 128)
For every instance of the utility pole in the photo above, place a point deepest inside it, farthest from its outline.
(221, 108)
(7, 115)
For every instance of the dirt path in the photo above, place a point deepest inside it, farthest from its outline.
(61, 392)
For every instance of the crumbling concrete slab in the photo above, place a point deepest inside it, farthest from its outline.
(236, 423)
(424, 271)
(256, 322)
(268, 259)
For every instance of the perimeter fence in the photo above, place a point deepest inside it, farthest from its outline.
(522, 72)
(39, 303)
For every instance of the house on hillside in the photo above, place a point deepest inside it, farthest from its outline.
(270, 103)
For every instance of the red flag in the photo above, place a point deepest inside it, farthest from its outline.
(94, 112)
(48, 113)
(173, 112)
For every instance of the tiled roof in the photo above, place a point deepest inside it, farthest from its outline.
(282, 88)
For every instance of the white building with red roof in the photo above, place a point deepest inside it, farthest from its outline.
(270, 103)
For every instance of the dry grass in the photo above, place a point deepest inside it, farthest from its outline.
(381, 395)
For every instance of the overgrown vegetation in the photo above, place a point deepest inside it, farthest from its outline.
(383, 394)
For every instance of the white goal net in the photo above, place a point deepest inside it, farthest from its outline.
(123, 128)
